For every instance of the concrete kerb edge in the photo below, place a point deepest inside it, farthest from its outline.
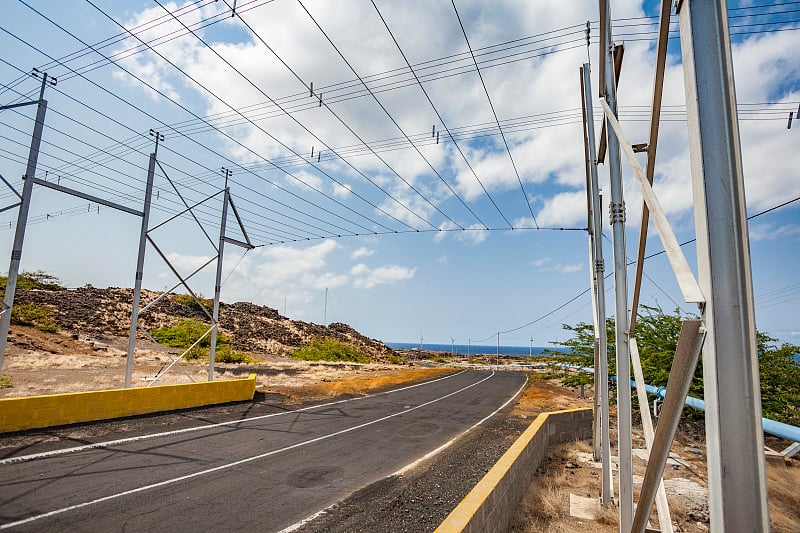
(468, 514)
(32, 412)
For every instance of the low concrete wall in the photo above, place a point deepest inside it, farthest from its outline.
(59, 409)
(491, 504)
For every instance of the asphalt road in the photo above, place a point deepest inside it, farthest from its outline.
(265, 473)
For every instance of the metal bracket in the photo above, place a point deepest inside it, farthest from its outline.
(600, 267)
(616, 213)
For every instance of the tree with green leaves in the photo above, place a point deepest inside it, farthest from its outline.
(657, 335)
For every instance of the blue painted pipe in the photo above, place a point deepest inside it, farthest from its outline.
(773, 427)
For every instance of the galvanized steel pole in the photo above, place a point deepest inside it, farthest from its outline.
(607, 495)
(218, 282)
(617, 220)
(137, 287)
(734, 437)
(22, 220)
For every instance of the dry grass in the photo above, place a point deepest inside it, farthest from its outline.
(784, 499)
(554, 482)
(365, 384)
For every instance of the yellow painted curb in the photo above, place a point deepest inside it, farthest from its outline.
(458, 520)
(60, 409)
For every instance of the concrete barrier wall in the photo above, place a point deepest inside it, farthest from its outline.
(59, 409)
(491, 504)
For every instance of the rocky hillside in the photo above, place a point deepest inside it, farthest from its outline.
(251, 328)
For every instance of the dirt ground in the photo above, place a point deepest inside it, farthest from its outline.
(570, 476)
(51, 363)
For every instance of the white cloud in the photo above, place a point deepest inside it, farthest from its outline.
(367, 278)
(474, 233)
(342, 190)
(769, 232)
(547, 264)
(362, 252)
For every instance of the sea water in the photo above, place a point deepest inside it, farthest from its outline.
(475, 349)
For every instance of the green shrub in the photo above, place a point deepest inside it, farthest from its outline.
(186, 332)
(329, 350)
(37, 315)
(396, 359)
(189, 300)
(34, 280)
(5, 382)
(225, 354)
(440, 359)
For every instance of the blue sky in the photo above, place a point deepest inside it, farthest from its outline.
(452, 278)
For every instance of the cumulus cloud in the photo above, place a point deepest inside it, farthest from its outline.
(548, 264)
(771, 232)
(362, 252)
(369, 278)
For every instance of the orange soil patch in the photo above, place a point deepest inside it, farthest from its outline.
(547, 395)
(359, 385)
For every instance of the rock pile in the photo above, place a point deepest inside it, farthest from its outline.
(251, 328)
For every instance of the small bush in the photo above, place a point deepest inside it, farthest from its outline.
(5, 382)
(329, 350)
(225, 354)
(41, 317)
(34, 280)
(186, 332)
(440, 359)
(189, 300)
(396, 359)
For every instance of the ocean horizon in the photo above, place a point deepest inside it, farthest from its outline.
(477, 349)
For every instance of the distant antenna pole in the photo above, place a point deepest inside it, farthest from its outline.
(325, 310)
(284, 306)
(531, 353)
(420, 342)
(452, 345)
(469, 347)
(498, 348)
(22, 215)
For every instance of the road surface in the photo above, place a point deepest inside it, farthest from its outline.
(266, 473)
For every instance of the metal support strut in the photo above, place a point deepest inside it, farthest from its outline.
(22, 216)
(734, 437)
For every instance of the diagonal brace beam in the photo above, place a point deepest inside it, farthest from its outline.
(687, 353)
(680, 267)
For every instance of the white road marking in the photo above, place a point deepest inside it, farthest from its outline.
(110, 443)
(230, 465)
(309, 519)
(454, 439)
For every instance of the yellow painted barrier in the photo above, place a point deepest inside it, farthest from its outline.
(59, 409)
(490, 505)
